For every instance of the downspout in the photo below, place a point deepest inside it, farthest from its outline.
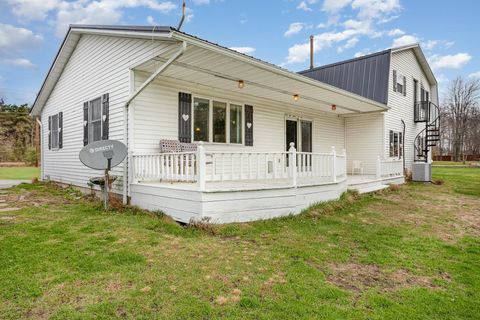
(41, 148)
(403, 146)
(162, 68)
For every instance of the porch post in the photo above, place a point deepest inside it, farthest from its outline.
(345, 162)
(201, 166)
(379, 166)
(293, 163)
(334, 165)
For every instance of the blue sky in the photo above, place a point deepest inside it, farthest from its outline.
(276, 31)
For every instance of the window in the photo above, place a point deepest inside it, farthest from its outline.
(218, 122)
(396, 144)
(306, 135)
(401, 81)
(95, 121)
(235, 123)
(201, 119)
(54, 132)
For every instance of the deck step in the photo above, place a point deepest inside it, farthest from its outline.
(372, 188)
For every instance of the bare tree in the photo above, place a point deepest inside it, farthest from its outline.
(460, 105)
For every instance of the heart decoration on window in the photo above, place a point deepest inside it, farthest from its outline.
(249, 125)
(104, 117)
(185, 117)
(85, 123)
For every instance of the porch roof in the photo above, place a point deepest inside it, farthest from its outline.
(220, 68)
(210, 65)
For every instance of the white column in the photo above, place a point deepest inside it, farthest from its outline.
(201, 166)
(345, 162)
(292, 161)
(334, 164)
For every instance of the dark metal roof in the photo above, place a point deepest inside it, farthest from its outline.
(366, 76)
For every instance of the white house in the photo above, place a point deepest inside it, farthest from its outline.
(242, 139)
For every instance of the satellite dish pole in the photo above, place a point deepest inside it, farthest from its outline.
(183, 16)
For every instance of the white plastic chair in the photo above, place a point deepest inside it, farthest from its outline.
(357, 165)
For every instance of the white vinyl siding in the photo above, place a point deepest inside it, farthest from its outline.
(401, 106)
(99, 64)
(156, 117)
(364, 140)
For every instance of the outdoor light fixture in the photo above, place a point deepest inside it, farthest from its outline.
(295, 97)
(334, 107)
(241, 84)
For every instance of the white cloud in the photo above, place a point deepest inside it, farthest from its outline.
(431, 44)
(201, 2)
(20, 62)
(294, 28)
(33, 9)
(304, 5)
(381, 9)
(474, 75)
(454, 61)
(348, 45)
(14, 40)
(244, 50)
(361, 53)
(396, 32)
(333, 6)
(83, 11)
(404, 40)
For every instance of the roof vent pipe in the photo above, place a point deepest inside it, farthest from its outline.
(183, 16)
(311, 52)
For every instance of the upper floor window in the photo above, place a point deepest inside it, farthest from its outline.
(399, 83)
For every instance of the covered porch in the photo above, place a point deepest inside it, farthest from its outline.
(284, 152)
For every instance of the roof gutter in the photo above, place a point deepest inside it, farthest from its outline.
(163, 67)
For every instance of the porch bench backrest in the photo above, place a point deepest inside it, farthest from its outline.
(169, 146)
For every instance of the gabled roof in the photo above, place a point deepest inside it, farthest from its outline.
(168, 33)
(367, 75)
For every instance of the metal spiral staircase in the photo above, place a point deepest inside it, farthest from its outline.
(428, 112)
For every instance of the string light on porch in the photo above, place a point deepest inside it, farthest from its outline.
(296, 97)
(241, 84)
(334, 107)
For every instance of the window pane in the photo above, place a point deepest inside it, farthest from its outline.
(306, 136)
(235, 123)
(391, 144)
(54, 131)
(96, 109)
(200, 121)
(97, 131)
(395, 144)
(219, 121)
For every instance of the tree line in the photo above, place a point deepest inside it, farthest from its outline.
(17, 133)
(460, 120)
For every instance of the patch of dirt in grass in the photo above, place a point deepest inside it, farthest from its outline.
(445, 215)
(361, 277)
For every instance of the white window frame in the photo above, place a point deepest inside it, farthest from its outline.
(57, 147)
(401, 80)
(298, 119)
(210, 119)
(90, 114)
(399, 149)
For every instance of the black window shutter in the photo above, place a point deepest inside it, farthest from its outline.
(105, 116)
(184, 117)
(85, 123)
(394, 80)
(49, 132)
(404, 85)
(248, 125)
(60, 130)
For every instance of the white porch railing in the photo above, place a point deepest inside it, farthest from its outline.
(389, 168)
(213, 166)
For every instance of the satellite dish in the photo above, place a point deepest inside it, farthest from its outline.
(103, 155)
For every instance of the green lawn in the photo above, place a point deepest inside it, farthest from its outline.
(19, 173)
(407, 253)
(453, 163)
